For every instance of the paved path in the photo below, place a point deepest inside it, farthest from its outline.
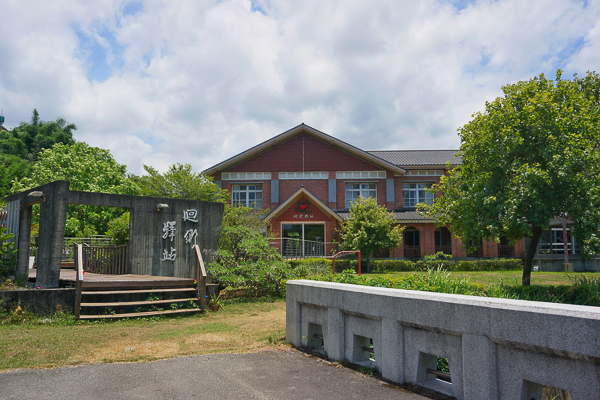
(272, 374)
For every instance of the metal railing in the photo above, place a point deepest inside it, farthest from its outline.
(478, 252)
(93, 241)
(447, 249)
(297, 248)
(412, 251)
(506, 251)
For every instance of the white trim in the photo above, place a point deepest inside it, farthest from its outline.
(303, 175)
(244, 176)
(360, 174)
(425, 172)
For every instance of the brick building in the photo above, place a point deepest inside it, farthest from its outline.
(308, 179)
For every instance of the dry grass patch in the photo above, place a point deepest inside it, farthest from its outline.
(241, 327)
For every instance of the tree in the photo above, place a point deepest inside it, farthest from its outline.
(89, 169)
(180, 182)
(7, 260)
(28, 139)
(533, 155)
(370, 229)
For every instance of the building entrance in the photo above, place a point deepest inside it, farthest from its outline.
(303, 240)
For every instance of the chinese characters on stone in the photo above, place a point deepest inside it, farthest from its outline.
(169, 256)
(169, 231)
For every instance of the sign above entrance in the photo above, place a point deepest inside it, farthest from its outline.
(303, 207)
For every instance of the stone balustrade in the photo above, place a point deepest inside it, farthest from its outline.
(496, 348)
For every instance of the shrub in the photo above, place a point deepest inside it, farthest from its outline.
(508, 264)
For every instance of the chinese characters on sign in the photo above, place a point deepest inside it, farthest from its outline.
(169, 256)
(190, 215)
(190, 235)
(303, 216)
(169, 231)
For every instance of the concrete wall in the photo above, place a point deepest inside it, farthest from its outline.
(40, 301)
(496, 348)
(554, 262)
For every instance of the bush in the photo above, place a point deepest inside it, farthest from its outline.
(508, 264)
(583, 291)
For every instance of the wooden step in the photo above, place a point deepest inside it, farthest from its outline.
(133, 291)
(137, 284)
(136, 303)
(140, 314)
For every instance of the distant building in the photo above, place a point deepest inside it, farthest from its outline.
(308, 180)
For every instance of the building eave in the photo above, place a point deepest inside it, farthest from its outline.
(302, 128)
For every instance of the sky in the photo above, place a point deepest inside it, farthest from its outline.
(164, 82)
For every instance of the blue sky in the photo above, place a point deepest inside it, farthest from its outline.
(159, 82)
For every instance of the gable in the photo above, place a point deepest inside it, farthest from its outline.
(303, 153)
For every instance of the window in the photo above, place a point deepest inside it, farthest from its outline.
(304, 175)
(354, 190)
(415, 193)
(247, 195)
(424, 172)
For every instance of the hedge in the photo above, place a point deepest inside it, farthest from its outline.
(382, 266)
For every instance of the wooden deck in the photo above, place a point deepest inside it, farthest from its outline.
(101, 281)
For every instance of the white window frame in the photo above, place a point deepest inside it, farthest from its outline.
(245, 176)
(360, 174)
(360, 191)
(427, 197)
(303, 175)
(247, 202)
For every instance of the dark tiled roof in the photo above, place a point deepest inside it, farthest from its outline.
(406, 158)
(399, 215)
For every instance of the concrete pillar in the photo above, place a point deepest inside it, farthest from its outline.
(335, 340)
(53, 218)
(24, 240)
(392, 340)
(479, 368)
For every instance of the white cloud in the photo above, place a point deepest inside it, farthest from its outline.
(198, 82)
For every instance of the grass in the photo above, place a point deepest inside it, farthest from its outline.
(240, 327)
(508, 277)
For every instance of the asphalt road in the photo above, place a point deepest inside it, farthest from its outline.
(271, 374)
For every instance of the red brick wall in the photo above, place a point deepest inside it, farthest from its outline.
(318, 156)
(318, 187)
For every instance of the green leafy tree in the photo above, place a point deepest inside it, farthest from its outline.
(20, 147)
(118, 230)
(370, 228)
(89, 169)
(28, 139)
(180, 182)
(533, 155)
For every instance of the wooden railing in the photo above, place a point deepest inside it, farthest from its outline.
(78, 255)
(200, 276)
(109, 260)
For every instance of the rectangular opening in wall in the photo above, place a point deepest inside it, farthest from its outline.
(363, 351)
(536, 391)
(434, 373)
(315, 339)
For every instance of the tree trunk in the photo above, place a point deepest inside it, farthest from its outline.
(533, 242)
